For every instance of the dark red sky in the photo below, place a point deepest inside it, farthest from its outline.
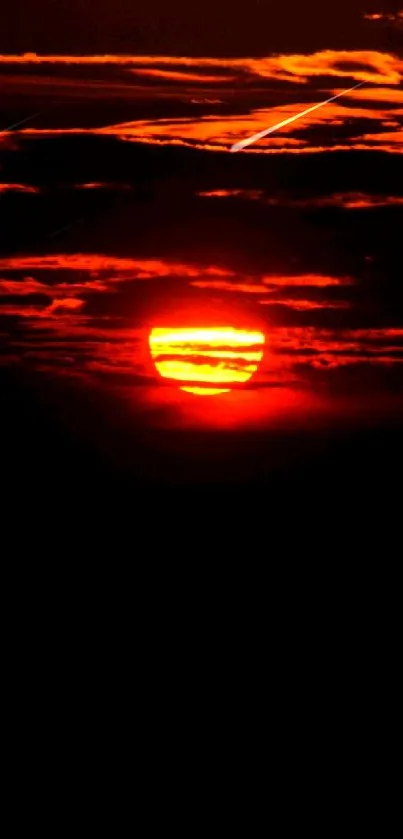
(122, 209)
(200, 27)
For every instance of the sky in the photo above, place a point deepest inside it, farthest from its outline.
(203, 27)
(124, 210)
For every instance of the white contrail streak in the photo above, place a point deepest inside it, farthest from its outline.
(249, 140)
(17, 124)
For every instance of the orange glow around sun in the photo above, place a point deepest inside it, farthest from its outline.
(206, 361)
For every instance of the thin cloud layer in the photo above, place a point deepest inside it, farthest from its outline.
(347, 200)
(61, 330)
(26, 188)
(111, 265)
(394, 18)
(363, 65)
(369, 118)
(342, 125)
(177, 76)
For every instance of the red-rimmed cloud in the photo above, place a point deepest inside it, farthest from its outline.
(322, 349)
(363, 65)
(285, 290)
(272, 283)
(102, 273)
(142, 269)
(178, 76)
(26, 188)
(250, 194)
(106, 186)
(344, 200)
(394, 18)
(61, 330)
(52, 294)
(306, 305)
(218, 133)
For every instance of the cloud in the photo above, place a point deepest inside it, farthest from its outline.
(26, 188)
(359, 201)
(394, 18)
(363, 65)
(243, 84)
(306, 305)
(177, 76)
(22, 289)
(105, 186)
(341, 125)
(347, 200)
(79, 313)
(54, 297)
(67, 303)
(306, 280)
(142, 269)
(233, 287)
(58, 337)
(321, 348)
(250, 194)
(391, 95)
(271, 283)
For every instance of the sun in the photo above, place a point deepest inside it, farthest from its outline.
(206, 361)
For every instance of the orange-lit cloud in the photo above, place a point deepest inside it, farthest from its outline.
(390, 95)
(290, 120)
(346, 200)
(101, 185)
(98, 273)
(392, 139)
(62, 297)
(304, 280)
(349, 201)
(58, 333)
(177, 76)
(362, 65)
(290, 348)
(358, 200)
(22, 288)
(103, 273)
(234, 287)
(386, 17)
(253, 194)
(219, 133)
(270, 284)
(380, 67)
(96, 263)
(61, 330)
(18, 188)
(354, 341)
(305, 305)
(68, 303)
(269, 288)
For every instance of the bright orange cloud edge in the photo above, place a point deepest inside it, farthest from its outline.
(385, 67)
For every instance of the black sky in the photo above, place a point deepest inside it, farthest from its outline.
(202, 27)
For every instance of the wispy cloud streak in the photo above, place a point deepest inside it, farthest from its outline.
(242, 144)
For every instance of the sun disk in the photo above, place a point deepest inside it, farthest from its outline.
(206, 361)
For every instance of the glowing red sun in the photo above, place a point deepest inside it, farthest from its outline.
(206, 361)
